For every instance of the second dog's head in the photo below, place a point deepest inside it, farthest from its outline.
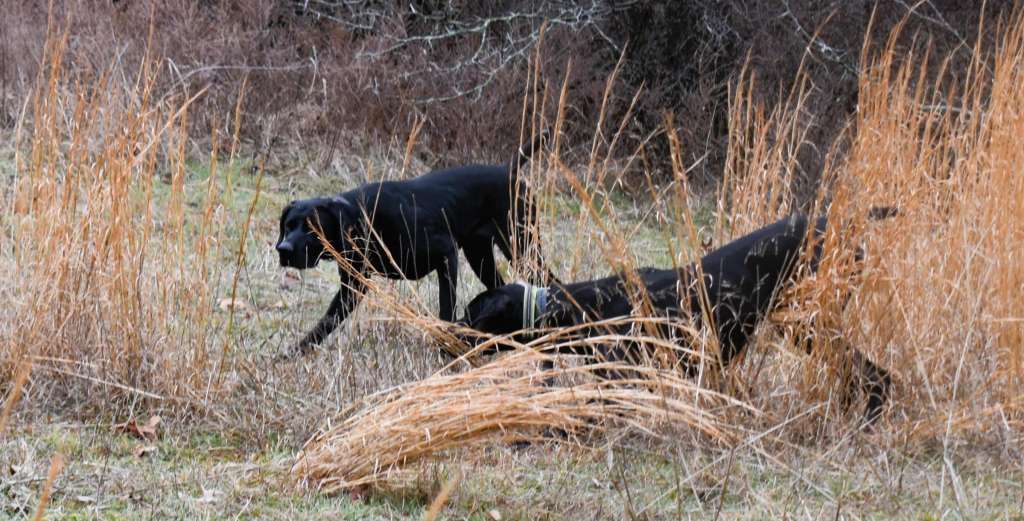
(298, 245)
(507, 309)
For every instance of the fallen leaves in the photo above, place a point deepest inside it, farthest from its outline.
(146, 431)
(289, 279)
(239, 306)
(229, 304)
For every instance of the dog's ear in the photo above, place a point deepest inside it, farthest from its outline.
(284, 211)
(346, 213)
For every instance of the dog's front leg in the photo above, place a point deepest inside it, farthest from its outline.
(447, 281)
(345, 300)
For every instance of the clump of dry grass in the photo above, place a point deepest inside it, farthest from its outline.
(942, 306)
(504, 401)
(937, 299)
(12, 397)
(113, 281)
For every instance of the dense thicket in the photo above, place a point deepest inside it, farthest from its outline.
(346, 73)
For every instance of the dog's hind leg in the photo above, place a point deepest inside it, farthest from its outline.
(873, 382)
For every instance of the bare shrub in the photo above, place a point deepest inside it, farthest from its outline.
(338, 76)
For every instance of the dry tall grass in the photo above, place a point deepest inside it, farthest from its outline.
(938, 301)
(108, 283)
(942, 306)
(111, 285)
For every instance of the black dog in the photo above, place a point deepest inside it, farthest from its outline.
(742, 280)
(407, 229)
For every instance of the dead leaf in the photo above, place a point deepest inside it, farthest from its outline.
(494, 514)
(356, 493)
(227, 304)
(210, 495)
(142, 451)
(146, 431)
(289, 279)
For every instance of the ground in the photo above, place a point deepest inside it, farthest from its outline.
(204, 476)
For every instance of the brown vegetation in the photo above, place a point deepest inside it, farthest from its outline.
(504, 401)
(116, 250)
(339, 77)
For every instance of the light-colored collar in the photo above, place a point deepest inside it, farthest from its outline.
(535, 301)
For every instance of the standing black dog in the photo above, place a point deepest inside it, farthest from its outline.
(407, 229)
(742, 280)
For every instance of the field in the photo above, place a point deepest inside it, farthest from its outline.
(144, 308)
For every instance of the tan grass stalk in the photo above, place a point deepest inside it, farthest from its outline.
(442, 497)
(108, 269)
(410, 145)
(56, 464)
(13, 395)
(240, 263)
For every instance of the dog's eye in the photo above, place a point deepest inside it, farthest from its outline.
(295, 221)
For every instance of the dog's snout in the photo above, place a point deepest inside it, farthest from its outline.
(285, 247)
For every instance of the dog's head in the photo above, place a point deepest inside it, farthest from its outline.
(497, 311)
(298, 244)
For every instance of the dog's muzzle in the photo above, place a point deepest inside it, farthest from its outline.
(289, 257)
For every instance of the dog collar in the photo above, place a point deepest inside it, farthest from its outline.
(535, 300)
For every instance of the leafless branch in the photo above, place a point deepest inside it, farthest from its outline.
(501, 39)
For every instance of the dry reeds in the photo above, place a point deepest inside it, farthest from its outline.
(506, 400)
(12, 397)
(943, 305)
(110, 269)
(937, 299)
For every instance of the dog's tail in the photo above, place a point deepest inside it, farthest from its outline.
(525, 152)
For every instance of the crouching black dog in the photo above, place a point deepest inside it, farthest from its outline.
(408, 229)
(742, 280)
